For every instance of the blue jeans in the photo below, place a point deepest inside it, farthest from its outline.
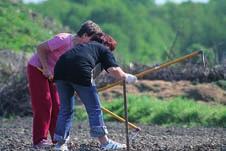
(90, 98)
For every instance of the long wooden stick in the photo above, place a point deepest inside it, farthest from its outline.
(120, 118)
(111, 113)
(154, 69)
(126, 114)
(139, 75)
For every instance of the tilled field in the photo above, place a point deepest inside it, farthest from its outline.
(16, 135)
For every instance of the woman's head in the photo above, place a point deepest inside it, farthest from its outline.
(89, 28)
(104, 39)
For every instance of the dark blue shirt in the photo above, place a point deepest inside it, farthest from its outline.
(76, 64)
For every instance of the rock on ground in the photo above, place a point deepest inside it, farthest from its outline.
(16, 135)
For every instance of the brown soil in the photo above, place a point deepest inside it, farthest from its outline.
(15, 98)
(16, 135)
(163, 89)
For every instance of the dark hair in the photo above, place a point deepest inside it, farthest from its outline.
(89, 27)
(105, 39)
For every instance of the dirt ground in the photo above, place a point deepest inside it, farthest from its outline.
(206, 92)
(16, 135)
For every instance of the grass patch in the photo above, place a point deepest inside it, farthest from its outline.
(19, 30)
(176, 111)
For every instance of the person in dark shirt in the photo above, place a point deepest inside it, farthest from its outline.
(73, 72)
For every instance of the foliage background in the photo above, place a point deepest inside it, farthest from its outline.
(146, 32)
(21, 29)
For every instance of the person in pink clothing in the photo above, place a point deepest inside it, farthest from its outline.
(44, 96)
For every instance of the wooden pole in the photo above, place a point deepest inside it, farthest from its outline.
(126, 114)
(111, 113)
(120, 118)
(154, 69)
(139, 75)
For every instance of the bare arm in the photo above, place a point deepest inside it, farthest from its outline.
(117, 72)
(42, 50)
(120, 74)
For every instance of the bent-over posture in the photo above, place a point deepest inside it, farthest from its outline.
(73, 73)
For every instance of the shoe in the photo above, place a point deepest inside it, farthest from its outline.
(112, 145)
(60, 147)
(43, 144)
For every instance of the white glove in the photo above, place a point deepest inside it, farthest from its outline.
(130, 79)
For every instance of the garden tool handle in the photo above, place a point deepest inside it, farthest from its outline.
(154, 69)
(49, 78)
(126, 115)
(111, 113)
(164, 65)
(120, 119)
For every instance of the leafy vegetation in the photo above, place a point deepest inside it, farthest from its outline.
(146, 32)
(176, 111)
(21, 29)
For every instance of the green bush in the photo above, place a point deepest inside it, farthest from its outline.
(22, 29)
(154, 34)
(176, 111)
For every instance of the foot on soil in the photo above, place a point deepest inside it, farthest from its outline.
(60, 147)
(43, 144)
(112, 145)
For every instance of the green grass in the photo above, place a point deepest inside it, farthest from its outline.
(19, 30)
(176, 111)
